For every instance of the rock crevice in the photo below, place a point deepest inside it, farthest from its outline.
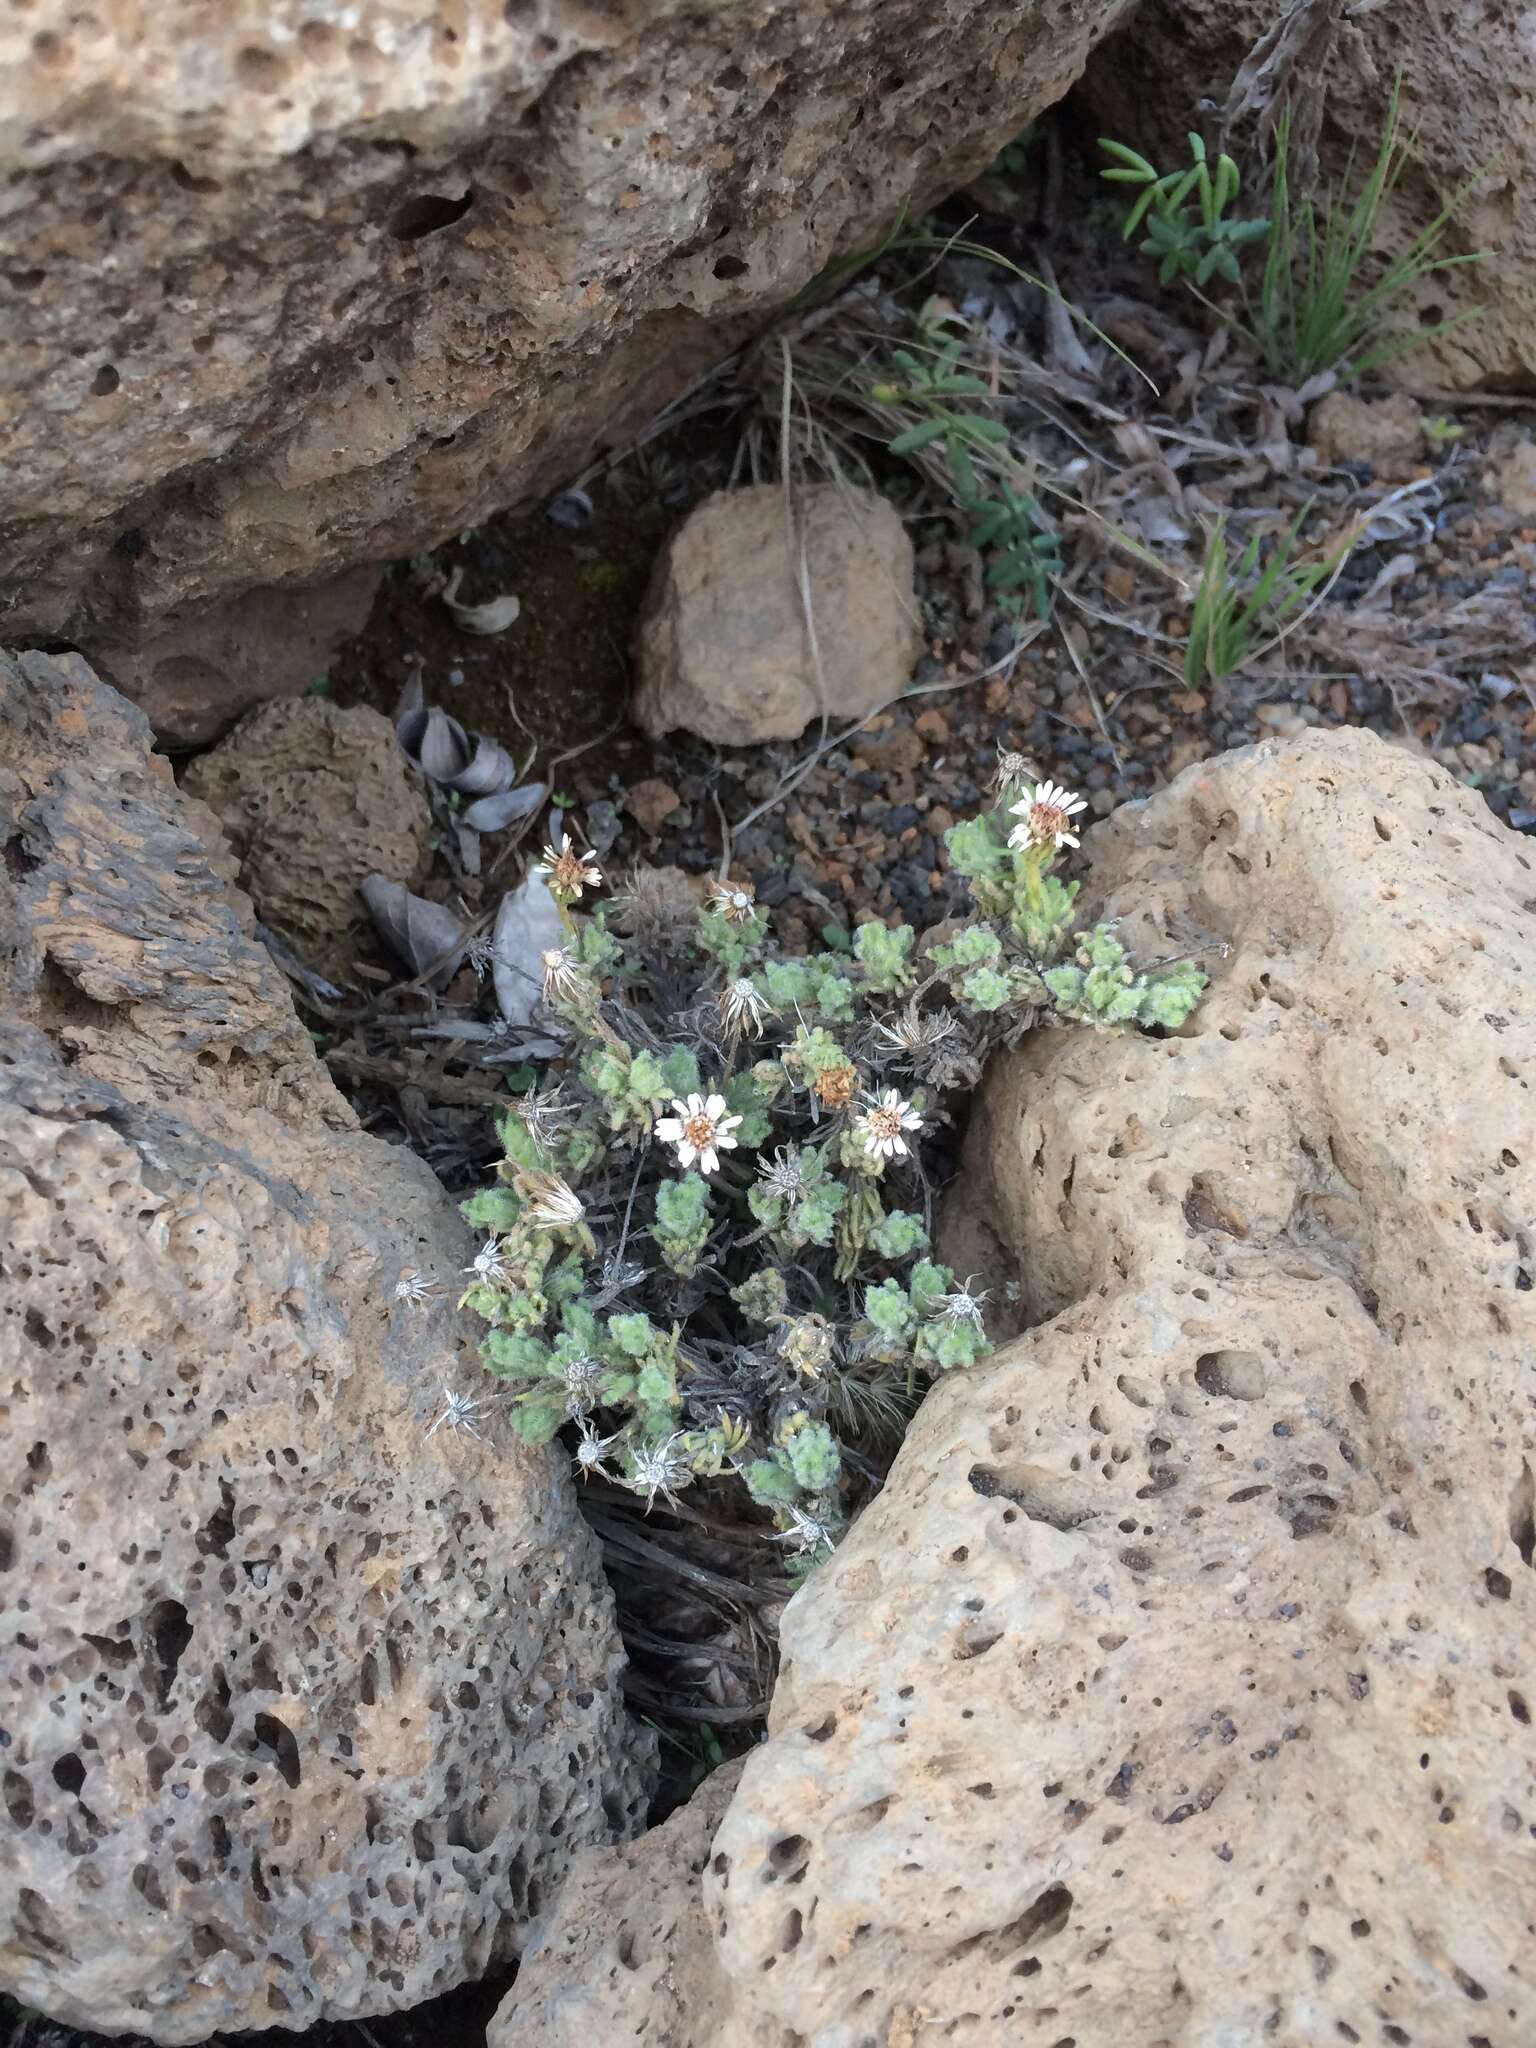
(1172, 1691)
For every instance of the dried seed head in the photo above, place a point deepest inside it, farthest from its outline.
(742, 1008)
(834, 1086)
(734, 901)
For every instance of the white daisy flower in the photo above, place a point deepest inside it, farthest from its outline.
(962, 1306)
(568, 872)
(742, 1008)
(416, 1288)
(459, 1413)
(1046, 811)
(553, 1204)
(489, 1264)
(701, 1131)
(883, 1122)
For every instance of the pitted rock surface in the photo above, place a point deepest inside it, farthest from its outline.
(1176, 1690)
(313, 800)
(305, 1709)
(293, 285)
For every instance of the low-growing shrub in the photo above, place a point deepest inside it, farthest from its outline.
(708, 1253)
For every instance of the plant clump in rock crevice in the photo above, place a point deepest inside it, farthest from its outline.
(708, 1254)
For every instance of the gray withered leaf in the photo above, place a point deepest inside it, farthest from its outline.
(489, 768)
(425, 936)
(436, 743)
(527, 926)
(504, 807)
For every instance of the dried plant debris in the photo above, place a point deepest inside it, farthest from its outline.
(528, 927)
(440, 747)
(425, 936)
(494, 616)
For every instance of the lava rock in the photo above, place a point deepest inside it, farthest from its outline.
(307, 1703)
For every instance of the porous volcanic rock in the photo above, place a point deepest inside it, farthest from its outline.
(1176, 1689)
(293, 285)
(763, 615)
(306, 1706)
(313, 799)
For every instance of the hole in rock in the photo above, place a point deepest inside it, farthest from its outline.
(428, 213)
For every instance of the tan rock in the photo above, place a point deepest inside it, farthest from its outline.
(1388, 433)
(313, 799)
(724, 647)
(1174, 1689)
(1513, 480)
(624, 1951)
(195, 676)
(650, 802)
(292, 285)
(307, 1703)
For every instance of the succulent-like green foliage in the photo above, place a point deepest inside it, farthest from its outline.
(1100, 986)
(707, 1249)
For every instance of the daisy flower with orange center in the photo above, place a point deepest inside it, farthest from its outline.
(700, 1131)
(884, 1122)
(1046, 813)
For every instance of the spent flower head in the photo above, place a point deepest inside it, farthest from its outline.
(784, 1173)
(592, 1449)
(544, 1116)
(562, 976)
(807, 1533)
(960, 1305)
(835, 1086)
(1012, 769)
(553, 1204)
(742, 1008)
(415, 1288)
(884, 1122)
(916, 1033)
(620, 1274)
(734, 901)
(700, 1130)
(659, 1468)
(581, 1377)
(459, 1412)
(489, 1265)
(1045, 813)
